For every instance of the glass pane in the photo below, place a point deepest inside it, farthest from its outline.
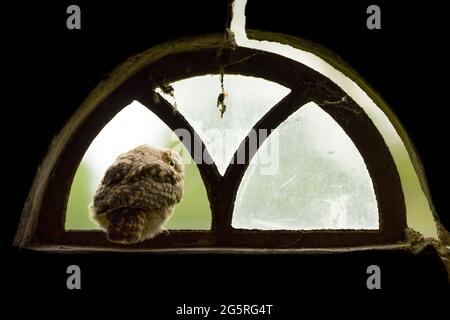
(307, 175)
(133, 126)
(247, 99)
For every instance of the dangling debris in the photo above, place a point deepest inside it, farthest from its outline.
(221, 99)
(223, 58)
(168, 89)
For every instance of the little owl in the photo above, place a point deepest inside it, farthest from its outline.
(138, 194)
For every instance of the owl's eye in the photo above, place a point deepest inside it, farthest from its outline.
(171, 163)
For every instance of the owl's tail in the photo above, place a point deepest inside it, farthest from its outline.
(125, 225)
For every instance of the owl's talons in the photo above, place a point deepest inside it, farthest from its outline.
(165, 232)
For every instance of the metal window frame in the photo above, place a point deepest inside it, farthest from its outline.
(42, 224)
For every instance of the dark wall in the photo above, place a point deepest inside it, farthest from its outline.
(51, 70)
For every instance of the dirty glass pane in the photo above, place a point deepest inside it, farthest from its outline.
(133, 126)
(247, 99)
(307, 175)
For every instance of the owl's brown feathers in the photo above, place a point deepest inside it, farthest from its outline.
(138, 194)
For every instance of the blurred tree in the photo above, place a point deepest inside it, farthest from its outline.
(193, 212)
(77, 216)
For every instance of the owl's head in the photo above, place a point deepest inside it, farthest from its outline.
(159, 162)
(140, 176)
(145, 162)
(173, 159)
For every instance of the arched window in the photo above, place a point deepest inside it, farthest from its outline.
(309, 166)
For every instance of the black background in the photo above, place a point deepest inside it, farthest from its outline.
(50, 70)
